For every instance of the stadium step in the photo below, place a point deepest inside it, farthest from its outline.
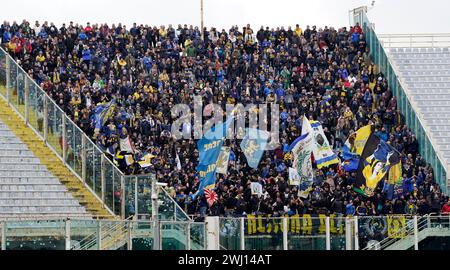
(12, 126)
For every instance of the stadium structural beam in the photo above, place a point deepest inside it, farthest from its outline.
(27, 91)
(98, 236)
(188, 235)
(327, 233)
(416, 234)
(67, 231)
(8, 78)
(130, 235)
(348, 234)
(3, 235)
(285, 233)
(156, 226)
(242, 227)
(201, 16)
(356, 233)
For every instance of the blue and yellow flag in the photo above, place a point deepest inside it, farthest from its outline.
(253, 145)
(102, 113)
(376, 160)
(323, 154)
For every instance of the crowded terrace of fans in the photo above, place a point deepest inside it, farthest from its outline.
(325, 74)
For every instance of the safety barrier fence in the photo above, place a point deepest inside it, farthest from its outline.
(123, 195)
(89, 234)
(322, 232)
(304, 232)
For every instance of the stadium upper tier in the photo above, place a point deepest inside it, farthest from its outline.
(326, 74)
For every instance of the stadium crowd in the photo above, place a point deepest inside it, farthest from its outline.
(323, 73)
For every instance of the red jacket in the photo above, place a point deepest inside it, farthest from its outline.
(445, 209)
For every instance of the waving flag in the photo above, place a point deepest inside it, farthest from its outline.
(355, 143)
(256, 188)
(102, 113)
(301, 150)
(209, 147)
(376, 160)
(353, 148)
(210, 195)
(323, 154)
(253, 145)
(126, 145)
(146, 160)
(222, 161)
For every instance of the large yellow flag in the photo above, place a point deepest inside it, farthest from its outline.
(395, 174)
(361, 138)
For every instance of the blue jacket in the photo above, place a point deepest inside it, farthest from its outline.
(87, 55)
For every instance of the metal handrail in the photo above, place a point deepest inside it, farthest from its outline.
(91, 239)
(413, 40)
(403, 233)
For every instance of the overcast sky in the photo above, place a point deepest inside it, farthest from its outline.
(389, 16)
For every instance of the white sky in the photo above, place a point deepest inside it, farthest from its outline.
(389, 16)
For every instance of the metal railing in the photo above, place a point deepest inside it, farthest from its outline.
(325, 232)
(73, 147)
(429, 149)
(436, 40)
(82, 234)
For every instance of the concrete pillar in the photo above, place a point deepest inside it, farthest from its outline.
(285, 233)
(212, 233)
(67, 237)
(3, 235)
(416, 234)
(327, 233)
(242, 228)
(188, 235)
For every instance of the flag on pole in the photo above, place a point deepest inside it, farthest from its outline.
(323, 154)
(177, 159)
(102, 114)
(294, 177)
(126, 145)
(146, 160)
(209, 147)
(222, 161)
(395, 174)
(376, 160)
(355, 143)
(256, 188)
(301, 150)
(210, 195)
(253, 145)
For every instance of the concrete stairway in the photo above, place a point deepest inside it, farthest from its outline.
(33, 180)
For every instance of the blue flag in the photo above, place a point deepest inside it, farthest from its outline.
(350, 165)
(209, 147)
(253, 145)
(102, 113)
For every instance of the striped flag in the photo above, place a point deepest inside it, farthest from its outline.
(210, 195)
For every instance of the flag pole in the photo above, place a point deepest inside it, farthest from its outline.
(201, 16)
